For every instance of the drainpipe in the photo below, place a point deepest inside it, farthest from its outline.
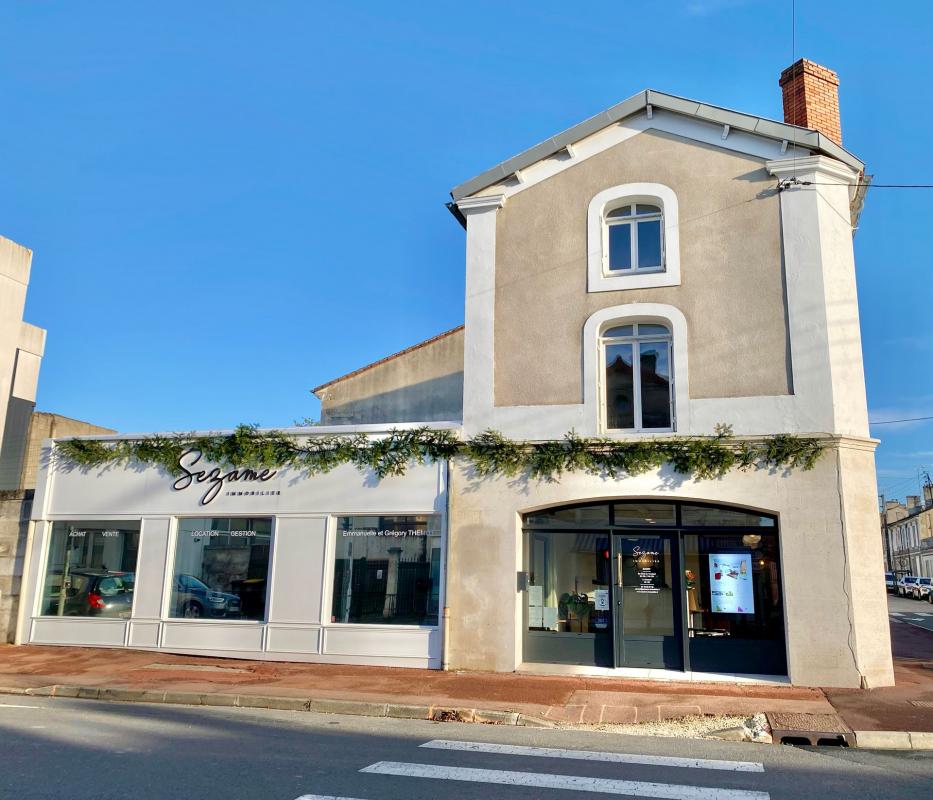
(445, 619)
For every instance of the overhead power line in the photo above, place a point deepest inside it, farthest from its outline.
(892, 421)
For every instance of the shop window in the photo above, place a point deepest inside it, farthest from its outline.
(221, 568)
(387, 570)
(714, 517)
(579, 517)
(91, 569)
(735, 621)
(567, 603)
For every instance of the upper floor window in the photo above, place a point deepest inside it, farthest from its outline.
(637, 385)
(635, 238)
(632, 238)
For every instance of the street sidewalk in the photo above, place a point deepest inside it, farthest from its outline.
(431, 692)
(882, 715)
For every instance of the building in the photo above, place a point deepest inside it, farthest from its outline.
(21, 348)
(658, 270)
(16, 508)
(910, 535)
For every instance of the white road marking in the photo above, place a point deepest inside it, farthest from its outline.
(590, 755)
(14, 705)
(578, 783)
(322, 797)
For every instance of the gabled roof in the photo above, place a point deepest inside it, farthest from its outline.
(407, 350)
(780, 131)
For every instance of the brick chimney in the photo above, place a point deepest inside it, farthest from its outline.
(811, 98)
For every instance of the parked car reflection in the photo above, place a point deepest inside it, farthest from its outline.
(94, 593)
(193, 599)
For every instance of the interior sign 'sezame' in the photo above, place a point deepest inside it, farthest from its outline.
(214, 478)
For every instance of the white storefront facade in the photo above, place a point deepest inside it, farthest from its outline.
(131, 556)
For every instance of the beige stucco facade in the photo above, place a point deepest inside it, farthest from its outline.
(421, 384)
(732, 292)
(834, 598)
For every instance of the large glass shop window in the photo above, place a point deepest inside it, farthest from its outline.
(221, 568)
(735, 619)
(568, 607)
(91, 570)
(387, 570)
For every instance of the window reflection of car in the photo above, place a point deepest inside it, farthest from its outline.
(95, 593)
(194, 599)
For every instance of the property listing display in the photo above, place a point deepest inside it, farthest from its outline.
(730, 581)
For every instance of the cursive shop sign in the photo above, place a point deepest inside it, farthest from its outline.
(217, 481)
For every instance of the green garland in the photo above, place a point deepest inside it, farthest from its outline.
(490, 453)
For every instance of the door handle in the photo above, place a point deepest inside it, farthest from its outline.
(619, 570)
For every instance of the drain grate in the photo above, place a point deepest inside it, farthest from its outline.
(810, 729)
(921, 703)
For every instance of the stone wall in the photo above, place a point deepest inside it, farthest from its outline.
(15, 510)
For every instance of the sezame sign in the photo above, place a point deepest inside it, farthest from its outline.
(215, 479)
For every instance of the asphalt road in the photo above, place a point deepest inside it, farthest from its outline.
(911, 612)
(77, 749)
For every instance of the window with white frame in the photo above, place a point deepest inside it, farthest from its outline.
(634, 238)
(637, 376)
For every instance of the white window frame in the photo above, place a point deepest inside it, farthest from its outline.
(627, 314)
(599, 277)
(636, 340)
(632, 222)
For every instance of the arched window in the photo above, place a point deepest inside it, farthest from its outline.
(632, 238)
(637, 361)
(635, 238)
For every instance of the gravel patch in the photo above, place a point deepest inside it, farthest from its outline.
(692, 727)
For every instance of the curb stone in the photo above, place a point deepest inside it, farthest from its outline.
(894, 740)
(321, 706)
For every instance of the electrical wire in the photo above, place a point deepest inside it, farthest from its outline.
(892, 421)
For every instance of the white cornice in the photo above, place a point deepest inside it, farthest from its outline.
(487, 202)
(812, 165)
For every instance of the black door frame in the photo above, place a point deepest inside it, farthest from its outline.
(678, 612)
(675, 529)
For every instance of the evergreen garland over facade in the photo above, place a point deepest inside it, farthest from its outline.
(490, 453)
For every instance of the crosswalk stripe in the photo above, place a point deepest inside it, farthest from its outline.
(323, 797)
(591, 755)
(578, 783)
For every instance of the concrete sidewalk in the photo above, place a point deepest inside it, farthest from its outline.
(880, 714)
(546, 698)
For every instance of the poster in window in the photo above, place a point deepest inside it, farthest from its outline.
(730, 581)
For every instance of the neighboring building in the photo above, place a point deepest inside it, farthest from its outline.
(423, 383)
(16, 508)
(21, 349)
(910, 533)
(659, 269)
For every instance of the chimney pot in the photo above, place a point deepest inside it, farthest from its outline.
(811, 98)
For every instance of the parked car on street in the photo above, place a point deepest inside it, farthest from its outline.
(905, 585)
(193, 598)
(921, 589)
(95, 593)
(889, 581)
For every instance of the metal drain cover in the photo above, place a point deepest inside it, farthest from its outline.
(921, 703)
(811, 729)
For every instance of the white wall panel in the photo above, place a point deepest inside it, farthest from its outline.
(298, 569)
(150, 567)
(91, 632)
(384, 640)
(144, 634)
(148, 492)
(293, 639)
(211, 636)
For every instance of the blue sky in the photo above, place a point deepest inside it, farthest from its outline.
(231, 202)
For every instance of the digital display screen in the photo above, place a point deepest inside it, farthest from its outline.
(730, 582)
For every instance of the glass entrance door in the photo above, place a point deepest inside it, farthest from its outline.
(646, 601)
